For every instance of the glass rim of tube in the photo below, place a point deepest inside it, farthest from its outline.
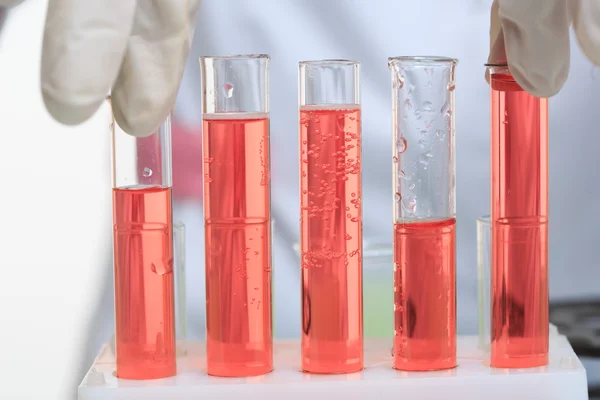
(325, 62)
(423, 59)
(484, 219)
(238, 57)
(499, 64)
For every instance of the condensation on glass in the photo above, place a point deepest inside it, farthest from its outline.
(235, 113)
(424, 213)
(519, 217)
(331, 216)
(143, 253)
(484, 280)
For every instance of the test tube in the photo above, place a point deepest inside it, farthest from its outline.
(143, 254)
(519, 215)
(237, 216)
(331, 216)
(424, 213)
(484, 280)
(180, 295)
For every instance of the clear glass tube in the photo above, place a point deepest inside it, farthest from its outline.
(180, 295)
(237, 214)
(519, 215)
(484, 280)
(143, 253)
(331, 216)
(424, 213)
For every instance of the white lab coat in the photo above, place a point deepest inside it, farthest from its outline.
(56, 290)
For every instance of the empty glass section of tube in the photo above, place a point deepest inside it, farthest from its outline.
(331, 216)
(519, 216)
(484, 280)
(237, 215)
(424, 213)
(143, 254)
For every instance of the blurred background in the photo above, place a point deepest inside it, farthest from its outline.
(56, 304)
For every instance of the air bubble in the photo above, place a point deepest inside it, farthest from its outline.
(147, 172)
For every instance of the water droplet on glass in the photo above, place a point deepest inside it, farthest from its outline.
(401, 174)
(408, 104)
(410, 204)
(423, 159)
(401, 145)
(399, 81)
(411, 87)
(147, 172)
(427, 106)
(451, 85)
(444, 108)
(429, 154)
(397, 197)
(429, 71)
(422, 143)
(395, 159)
(228, 89)
(411, 186)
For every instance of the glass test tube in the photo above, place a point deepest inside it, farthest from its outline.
(484, 280)
(331, 216)
(519, 215)
(143, 254)
(180, 295)
(424, 213)
(237, 214)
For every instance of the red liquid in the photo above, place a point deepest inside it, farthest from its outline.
(144, 299)
(238, 246)
(331, 240)
(519, 226)
(425, 295)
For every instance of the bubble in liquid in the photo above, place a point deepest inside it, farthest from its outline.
(401, 145)
(158, 269)
(228, 89)
(147, 172)
(427, 106)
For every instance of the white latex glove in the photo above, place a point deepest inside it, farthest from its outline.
(136, 49)
(532, 36)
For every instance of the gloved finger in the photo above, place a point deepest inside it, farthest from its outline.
(149, 79)
(497, 54)
(586, 24)
(536, 37)
(84, 44)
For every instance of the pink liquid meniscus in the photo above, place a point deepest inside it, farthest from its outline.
(144, 299)
(331, 239)
(425, 295)
(520, 325)
(238, 244)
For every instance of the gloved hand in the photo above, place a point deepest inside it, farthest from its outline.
(137, 50)
(532, 36)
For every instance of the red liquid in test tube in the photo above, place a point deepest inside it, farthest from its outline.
(237, 216)
(519, 218)
(143, 255)
(331, 239)
(424, 213)
(238, 245)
